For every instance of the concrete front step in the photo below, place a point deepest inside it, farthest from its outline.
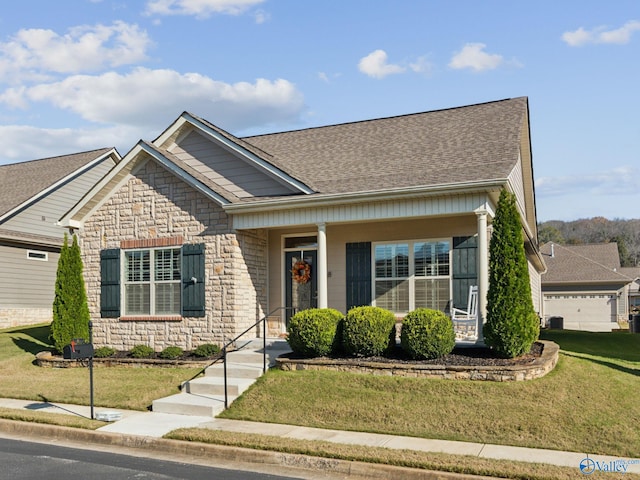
(235, 370)
(188, 404)
(215, 386)
(204, 396)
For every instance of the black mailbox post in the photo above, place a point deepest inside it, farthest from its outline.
(78, 350)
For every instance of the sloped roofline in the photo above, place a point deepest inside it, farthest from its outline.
(252, 154)
(621, 278)
(118, 175)
(109, 152)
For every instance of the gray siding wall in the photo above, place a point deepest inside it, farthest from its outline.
(41, 217)
(24, 282)
(225, 169)
(517, 182)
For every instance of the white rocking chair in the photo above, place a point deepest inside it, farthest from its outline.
(465, 322)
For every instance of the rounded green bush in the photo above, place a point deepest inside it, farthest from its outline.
(427, 333)
(368, 331)
(104, 352)
(314, 332)
(142, 351)
(171, 353)
(206, 350)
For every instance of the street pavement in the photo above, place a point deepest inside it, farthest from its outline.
(155, 425)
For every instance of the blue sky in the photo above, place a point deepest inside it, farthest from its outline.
(77, 75)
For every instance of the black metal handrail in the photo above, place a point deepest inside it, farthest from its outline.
(263, 320)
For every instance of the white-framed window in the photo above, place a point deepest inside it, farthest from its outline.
(412, 274)
(152, 281)
(38, 255)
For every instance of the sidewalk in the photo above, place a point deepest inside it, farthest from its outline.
(152, 424)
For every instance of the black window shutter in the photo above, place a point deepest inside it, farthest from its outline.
(193, 280)
(358, 274)
(110, 283)
(465, 269)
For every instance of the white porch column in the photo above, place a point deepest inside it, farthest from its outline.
(322, 266)
(483, 270)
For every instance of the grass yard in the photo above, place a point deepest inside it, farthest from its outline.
(589, 403)
(114, 387)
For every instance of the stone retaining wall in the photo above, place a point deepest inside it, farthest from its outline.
(538, 368)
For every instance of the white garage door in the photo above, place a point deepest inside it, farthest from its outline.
(593, 313)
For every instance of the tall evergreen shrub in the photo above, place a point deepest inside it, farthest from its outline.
(70, 308)
(512, 323)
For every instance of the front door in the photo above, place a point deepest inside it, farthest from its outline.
(301, 291)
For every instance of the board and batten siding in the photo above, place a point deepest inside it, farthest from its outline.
(25, 282)
(536, 289)
(41, 217)
(226, 169)
(367, 211)
(517, 183)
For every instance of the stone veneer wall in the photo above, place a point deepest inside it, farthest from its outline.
(155, 204)
(15, 317)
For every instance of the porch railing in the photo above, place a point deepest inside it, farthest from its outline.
(226, 346)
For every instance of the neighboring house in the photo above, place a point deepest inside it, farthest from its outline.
(585, 286)
(33, 197)
(197, 235)
(633, 289)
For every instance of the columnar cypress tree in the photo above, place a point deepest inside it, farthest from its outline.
(512, 323)
(70, 308)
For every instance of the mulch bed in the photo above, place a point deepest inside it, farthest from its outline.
(460, 356)
(187, 356)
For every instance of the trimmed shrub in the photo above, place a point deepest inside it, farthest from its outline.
(142, 351)
(104, 352)
(314, 332)
(368, 331)
(512, 323)
(427, 334)
(206, 350)
(171, 353)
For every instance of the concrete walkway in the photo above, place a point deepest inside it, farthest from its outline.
(150, 424)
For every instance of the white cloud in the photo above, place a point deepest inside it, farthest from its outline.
(33, 54)
(144, 96)
(619, 36)
(474, 57)
(200, 8)
(421, 65)
(261, 16)
(617, 181)
(18, 144)
(375, 65)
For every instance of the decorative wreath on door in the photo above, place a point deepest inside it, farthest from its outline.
(301, 271)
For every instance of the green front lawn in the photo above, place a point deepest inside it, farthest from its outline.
(589, 403)
(114, 387)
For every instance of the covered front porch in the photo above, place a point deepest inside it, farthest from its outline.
(391, 260)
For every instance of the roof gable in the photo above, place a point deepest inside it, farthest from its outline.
(23, 183)
(593, 263)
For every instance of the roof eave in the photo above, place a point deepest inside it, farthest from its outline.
(110, 153)
(330, 199)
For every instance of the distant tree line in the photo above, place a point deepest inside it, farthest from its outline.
(626, 233)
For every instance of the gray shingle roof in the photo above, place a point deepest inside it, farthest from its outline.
(591, 263)
(21, 181)
(457, 145)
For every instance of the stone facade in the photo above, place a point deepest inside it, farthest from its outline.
(155, 205)
(14, 317)
(536, 369)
